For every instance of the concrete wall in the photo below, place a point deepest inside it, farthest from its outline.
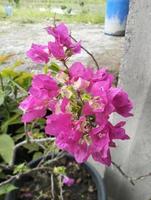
(135, 77)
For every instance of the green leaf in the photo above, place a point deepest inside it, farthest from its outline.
(54, 67)
(11, 121)
(31, 147)
(37, 155)
(86, 97)
(6, 147)
(8, 72)
(18, 63)
(2, 97)
(60, 170)
(19, 136)
(7, 188)
(21, 168)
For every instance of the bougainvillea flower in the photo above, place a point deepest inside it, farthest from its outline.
(78, 70)
(76, 102)
(103, 75)
(62, 37)
(68, 181)
(38, 53)
(81, 84)
(57, 123)
(45, 84)
(33, 108)
(60, 33)
(56, 49)
(81, 152)
(75, 47)
(118, 132)
(100, 145)
(121, 102)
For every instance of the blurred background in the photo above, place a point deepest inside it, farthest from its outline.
(86, 11)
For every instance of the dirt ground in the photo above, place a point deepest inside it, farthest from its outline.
(17, 38)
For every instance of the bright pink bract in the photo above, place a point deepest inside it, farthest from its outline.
(80, 99)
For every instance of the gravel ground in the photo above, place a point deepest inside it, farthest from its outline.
(17, 38)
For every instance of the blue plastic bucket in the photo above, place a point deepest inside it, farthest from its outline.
(116, 17)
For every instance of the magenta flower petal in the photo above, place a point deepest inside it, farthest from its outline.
(58, 123)
(33, 108)
(57, 50)
(44, 84)
(81, 152)
(68, 181)
(38, 53)
(60, 33)
(78, 70)
(121, 102)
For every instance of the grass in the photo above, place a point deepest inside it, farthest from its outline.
(32, 15)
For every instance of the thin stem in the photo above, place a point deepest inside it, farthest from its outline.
(37, 141)
(132, 180)
(34, 141)
(52, 187)
(61, 190)
(45, 167)
(4, 167)
(88, 52)
(64, 63)
(8, 180)
(12, 178)
(62, 154)
(19, 87)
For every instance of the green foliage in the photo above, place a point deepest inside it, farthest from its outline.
(31, 148)
(6, 148)
(2, 97)
(61, 170)
(37, 155)
(89, 12)
(21, 168)
(54, 67)
(7, 188)
(13, 87)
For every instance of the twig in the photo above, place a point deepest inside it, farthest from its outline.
(5, 167)
(142, 177)
(88, 52)
(60, 184)
(52, 187)
(15, 177)
(62, 154)
(34, 141)
(19, 87)
(8, 180)
(64, 63)
(37, 141)
(132, 180)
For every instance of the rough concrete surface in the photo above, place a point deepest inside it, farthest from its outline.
(135, 76)
(17, 38)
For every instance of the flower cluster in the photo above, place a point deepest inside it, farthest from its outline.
(81, 101)
(61, 48)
